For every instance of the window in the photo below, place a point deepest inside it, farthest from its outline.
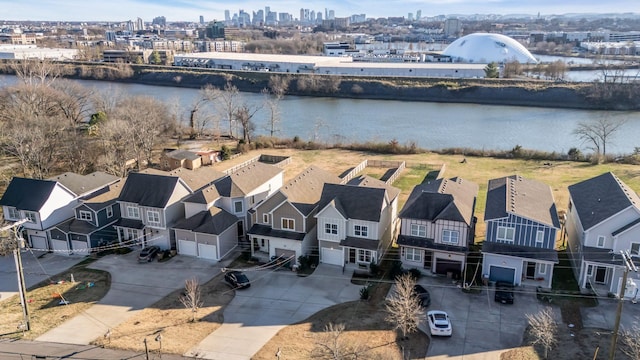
(590, 270)
(635, 249)
(31, 216)
(237, 206)
(418, 230)
(450, 236)
(542, 269)
(132, 234)
(85, 215)
(364, 255)
(360, 230)
(153, 217)
(331, 229)
(109, 212)
(412, 254)
(133, 212)
(506, 234)
(265, 218)
(288, 224)
(540, 238)
(600, 243)
(14, 213)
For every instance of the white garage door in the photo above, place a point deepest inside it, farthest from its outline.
(79, 247)
(207, 251)
(60, 246)
(39, 242)
(187, 248)
(332, 256)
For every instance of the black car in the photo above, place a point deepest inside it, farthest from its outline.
(237, 279)
(423, 295)
(148, 254)
(504, 292)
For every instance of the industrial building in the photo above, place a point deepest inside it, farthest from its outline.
(21, 52)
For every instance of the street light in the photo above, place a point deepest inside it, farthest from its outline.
(628, 265)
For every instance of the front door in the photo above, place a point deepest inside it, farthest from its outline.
(428, 260)
(601, 275)
(531, 270)
(352, 255)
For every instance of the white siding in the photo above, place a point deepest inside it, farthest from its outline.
(372, 228)
(285, 244)
(330, 215)
(265, 190)
(191, 209)
(605, 229)
(58, 207)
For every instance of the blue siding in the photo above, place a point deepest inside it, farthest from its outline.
(86, 208)
(525, 232)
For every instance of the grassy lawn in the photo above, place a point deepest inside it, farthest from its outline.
(44, 299)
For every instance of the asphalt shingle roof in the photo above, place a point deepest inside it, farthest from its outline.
(426, 243)
(27, 194)
(354, 202)
(360, 243)
(213, 221)
(443, 199)
(246, 179)
(148, 190)
(523, 197)
(265, 230)
(520, 251)
(84, 184)
(601, 197)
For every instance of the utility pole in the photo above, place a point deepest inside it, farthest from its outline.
(628, 265)
(22, 289)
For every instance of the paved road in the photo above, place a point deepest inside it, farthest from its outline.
(134, 286)
(275, 300)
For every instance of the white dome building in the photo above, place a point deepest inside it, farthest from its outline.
(484, 48)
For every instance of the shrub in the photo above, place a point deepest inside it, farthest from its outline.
(396, 269)
(374, 269)
(365, 292)
(304, 261)
(415, 273)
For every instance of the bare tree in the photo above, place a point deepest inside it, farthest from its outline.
(598, 133)
(244, 115)
(331, 345)
(403, 307)
(36, 72)
(191, 297)
(278, 85)
(227, 102)
(630, 341)
(543, 327)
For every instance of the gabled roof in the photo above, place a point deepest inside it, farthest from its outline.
(180, 154)
(426, 243)
(354, 202)
(368, 181)
(148, 190)
(205, 196)
(213, 221)
(246, 179)
(104, 197)
(198, 178)
(84, 184)
(523, 197)
(443, 199)
(601, 197)
(306, 187)
(27, 194)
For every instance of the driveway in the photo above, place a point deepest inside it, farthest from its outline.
(36, 267)
(603, 316)
(482, 328)
(134, 286)
(274, 300)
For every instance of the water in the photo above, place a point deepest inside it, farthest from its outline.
(429, 125)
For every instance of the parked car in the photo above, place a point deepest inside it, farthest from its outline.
(423, 295)
(148, 254)
(504, 292)
(237, 279)
(439, 323)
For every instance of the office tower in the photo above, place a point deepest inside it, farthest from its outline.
(418, 14)
(410, 17)
(227, 16)
(332, 15)
(139, 24)
(201, 20)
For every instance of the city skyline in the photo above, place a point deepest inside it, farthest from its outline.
(191, 10)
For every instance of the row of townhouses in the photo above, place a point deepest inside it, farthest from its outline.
(206, 213)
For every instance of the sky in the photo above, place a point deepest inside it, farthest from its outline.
(190, 10)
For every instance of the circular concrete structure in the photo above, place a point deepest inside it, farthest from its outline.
(484, 48)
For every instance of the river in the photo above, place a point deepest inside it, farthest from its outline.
(429, 125)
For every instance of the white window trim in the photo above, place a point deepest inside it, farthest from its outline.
(109, 212)
(85, 215)
(418, 230)
(286, 220)
(133, 212)
(33, 213)
(151, 221)
(13, 213)
(604, 240)
(330, 227)
(590, 269)
(637, 253)
(506, 230)
(362, 254)
(362, 232)
(449, 237)
(416, 254)
(235, 207)
(265, 218)
(542, 269)
(540, 237)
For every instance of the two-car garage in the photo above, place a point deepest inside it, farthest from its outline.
(201, 250)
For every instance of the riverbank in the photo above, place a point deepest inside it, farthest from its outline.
(536, 93)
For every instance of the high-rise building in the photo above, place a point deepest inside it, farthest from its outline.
(312, 16)
(332, 15)
(201, 20)
(110, 36)
(301, 18)
(258, 18)
(410, 16)
(139, 24)
(418, 15)
(160, 21)
(227, 16)
(452, 27)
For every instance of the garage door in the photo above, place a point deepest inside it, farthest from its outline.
(286, 254)
(187, 248)
(499, 273)
(208, 251)
(445, 266)
(60, 246)
(39, 242)
(79, 247)
(332, 256)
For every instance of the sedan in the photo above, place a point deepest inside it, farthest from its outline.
(439, 323)
(237, 279)
(148, 254)
(424, 298)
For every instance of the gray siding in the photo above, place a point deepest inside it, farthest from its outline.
(185, 235)
(57, 234)
(288, 211)
(228, 240)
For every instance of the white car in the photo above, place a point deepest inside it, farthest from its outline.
(439, 323)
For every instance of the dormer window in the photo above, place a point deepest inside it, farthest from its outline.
(85, 215)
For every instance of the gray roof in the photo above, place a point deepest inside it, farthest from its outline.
(443, 199)
(360, 243)
(129, 223)
(148, 190)
(84, 184)
(527, 252)
(368, 181)
(205, 196)
(426, 243)
(306, 187)
(265, 230)
(198, 178)
(626, 227)
(601, 197)
(27, 194)
(76, 226)
(522, 197)
(354, 202)
(213, 221)
(246, 179)
(103, 197)
(182, 155)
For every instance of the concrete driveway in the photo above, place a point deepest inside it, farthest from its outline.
(274, 300)
(603, 316)
(482, 328)
(134, 286)
(36, 266)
